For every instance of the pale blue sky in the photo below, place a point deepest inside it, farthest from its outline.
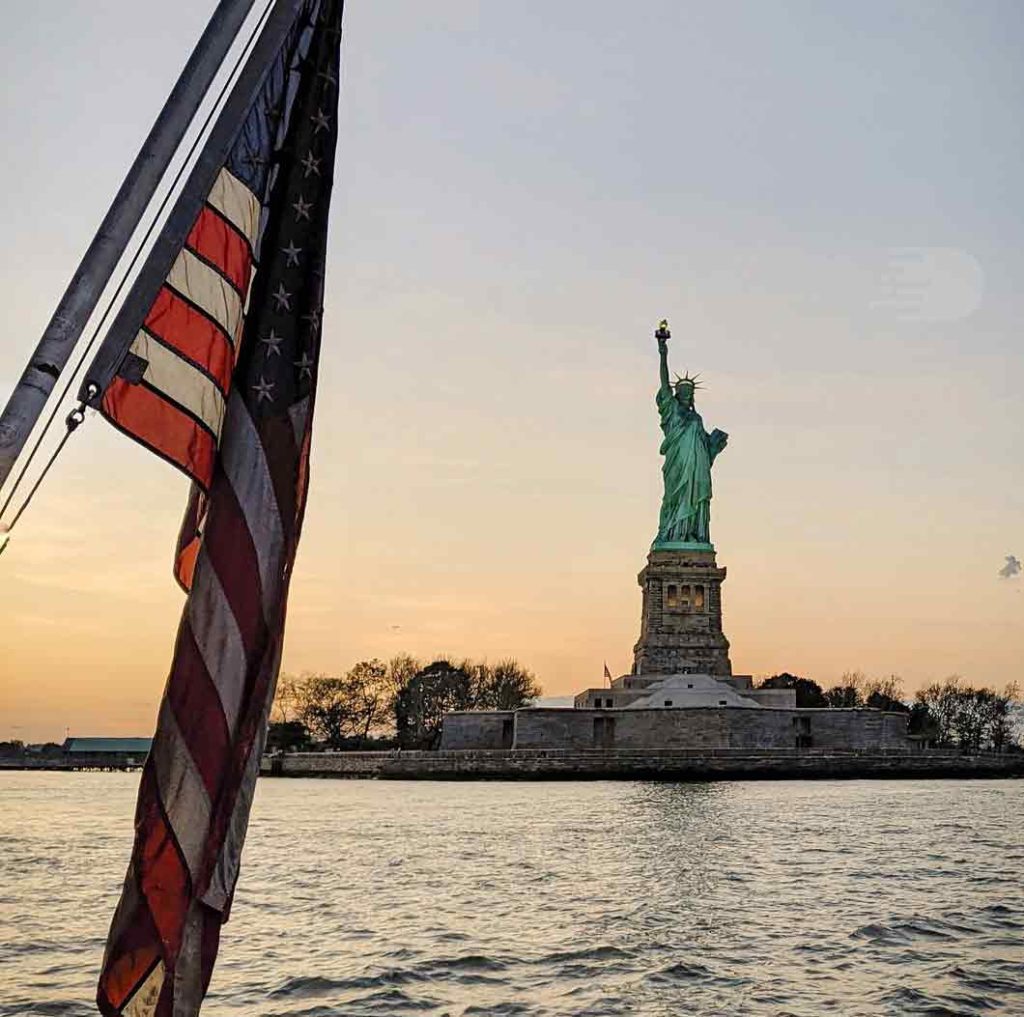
(523, 190)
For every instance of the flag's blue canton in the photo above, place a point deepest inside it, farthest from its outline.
(251, 156)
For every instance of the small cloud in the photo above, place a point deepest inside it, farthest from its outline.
(394, 628)
(1012, 568)
(930, 284)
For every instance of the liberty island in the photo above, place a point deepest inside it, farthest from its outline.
(681, 692)
(680, 712)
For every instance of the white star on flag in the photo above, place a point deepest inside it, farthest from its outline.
(272, 343)
(263, 389)
(311, 165)
(291, 253)
(302, 209)
(282, 298)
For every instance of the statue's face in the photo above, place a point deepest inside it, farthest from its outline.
(684, 393)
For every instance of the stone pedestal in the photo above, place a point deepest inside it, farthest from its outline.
(681, 624)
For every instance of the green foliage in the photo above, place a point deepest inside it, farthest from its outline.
(337, 711)
(953, 714)
(425, 698)
(921, 723)
(287, 736)
(854, 689)
(504, 686)
(885, 694)
(848, 693)
(808, 692)
(443, 686)
(402, 698)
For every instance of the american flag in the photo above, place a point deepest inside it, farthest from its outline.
(220, 380)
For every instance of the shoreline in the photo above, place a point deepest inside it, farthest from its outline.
(623, 764)
(602, 764)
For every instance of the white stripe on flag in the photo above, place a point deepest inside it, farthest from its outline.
(207, 289)
(143, 1003)
(237, 204)
(182, 792)
(180, 381)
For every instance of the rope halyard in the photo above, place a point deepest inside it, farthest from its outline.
(71, 424)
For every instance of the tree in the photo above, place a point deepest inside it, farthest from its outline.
(287, 698)
(1000, 717)
(922, 724)
(287, 736)
(425, 698)
(376, 701)
(885, 694)
(401, 669)
(849, 692)
(970, 719)
(367, 686)
(325, 709)
(942, 702)
(346, 709)
(504, 686)
(808, 692)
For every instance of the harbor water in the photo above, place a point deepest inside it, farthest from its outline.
(387, 899)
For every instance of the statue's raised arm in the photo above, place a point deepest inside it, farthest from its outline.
(662, 334)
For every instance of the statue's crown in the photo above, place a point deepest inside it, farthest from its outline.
(685, 379)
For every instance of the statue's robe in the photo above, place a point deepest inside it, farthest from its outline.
(689, 451)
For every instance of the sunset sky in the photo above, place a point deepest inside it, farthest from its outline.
(824, 199)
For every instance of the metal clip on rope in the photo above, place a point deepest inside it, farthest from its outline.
(77, 415)
(72, 422)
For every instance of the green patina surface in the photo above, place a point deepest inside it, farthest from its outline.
(689, 452)
(681, 545)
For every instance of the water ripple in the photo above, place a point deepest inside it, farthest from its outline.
(363, 899)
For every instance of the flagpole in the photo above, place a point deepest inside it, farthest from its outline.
(58, 341)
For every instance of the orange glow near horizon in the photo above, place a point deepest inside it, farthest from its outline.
(841, 261)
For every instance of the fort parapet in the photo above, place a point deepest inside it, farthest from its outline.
(695, 728)
(648, 764)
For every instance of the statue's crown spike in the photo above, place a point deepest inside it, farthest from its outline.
(687, 380)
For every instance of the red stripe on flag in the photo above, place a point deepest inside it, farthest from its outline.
(198, 711)
(163, 878)
(167, 430)
(185, 563)
(190, 538)
(219, 243)
(232, 554)
(125, 973)
(193, 334)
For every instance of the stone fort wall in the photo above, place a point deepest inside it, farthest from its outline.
(650, 764)
(703, 728)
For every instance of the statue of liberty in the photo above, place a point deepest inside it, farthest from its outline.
(689, 452)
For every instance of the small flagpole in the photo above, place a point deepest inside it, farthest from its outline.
(58, 341)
